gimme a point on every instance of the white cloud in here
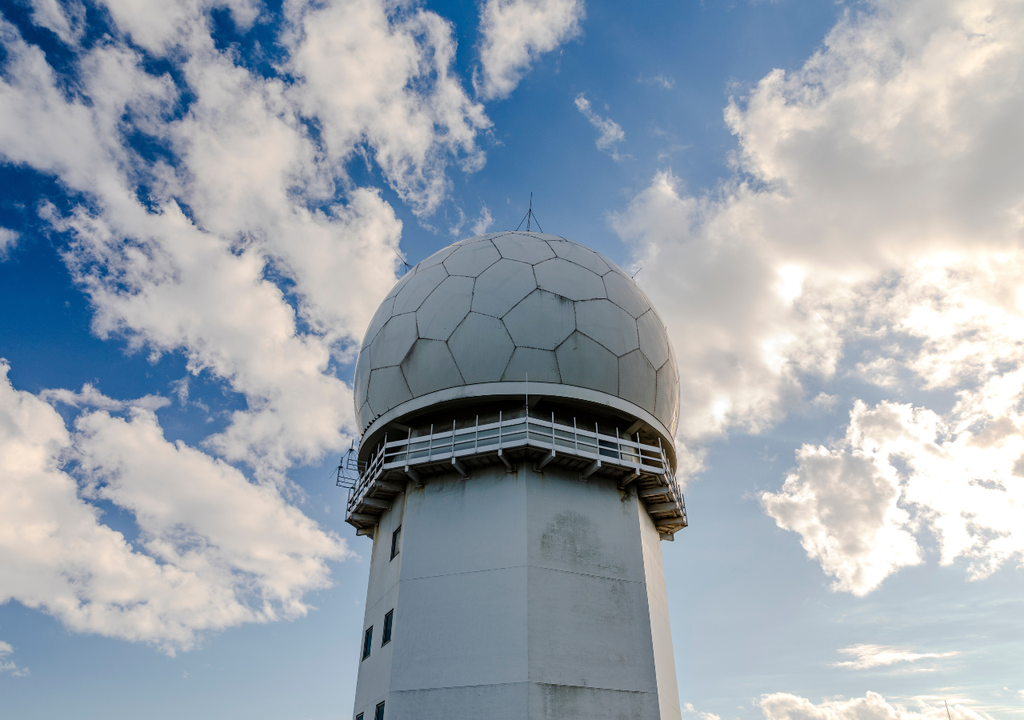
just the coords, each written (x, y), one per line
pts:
(877, 208)
(65, 19)
(688, 707)
(7, 665)
(213, 549)
(517, 32)
(611, 133)
(892, 146)
(867, 656)
(784, 706)
(250, 251)
(858, 503)
(8, 241)
(483, 222)
(358, 64)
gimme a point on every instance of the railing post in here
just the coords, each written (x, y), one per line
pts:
(453, 438)
(430, 444)
(575, 436)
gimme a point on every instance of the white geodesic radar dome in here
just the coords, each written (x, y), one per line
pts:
(491, 311)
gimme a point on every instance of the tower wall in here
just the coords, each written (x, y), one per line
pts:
(519, 595)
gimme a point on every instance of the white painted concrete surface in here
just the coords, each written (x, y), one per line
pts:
(519, 595)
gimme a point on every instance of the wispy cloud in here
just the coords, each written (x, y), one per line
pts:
(868, 656)
(611, 132)
(661, 81)
(8, 665)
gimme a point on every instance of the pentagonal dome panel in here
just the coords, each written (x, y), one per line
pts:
(387, 389)
(481, 347)
(393, 342)
(444, 308)
(623, 292)
(610, 325)
(653, 338)
(583, 362)
(503, 285)
(525, 248)
(581, 256)
(532, 365)
(542, 320)
(412, 295)
(430, 366)
(637, 380)
(471, 260)
(568, 280)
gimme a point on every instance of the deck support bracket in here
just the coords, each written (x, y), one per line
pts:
(508, 465)
(459, 468)
(591, 469)
(414, 476)
(545, 460)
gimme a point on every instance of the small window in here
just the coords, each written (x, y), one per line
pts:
(367, 642)
(379, 715)
(388, 619)
(396, 537)
(359, 716)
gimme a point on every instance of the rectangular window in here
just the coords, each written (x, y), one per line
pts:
(388, 619)
(395, 538)
(379, 715)
(359, 716)
(367, 642)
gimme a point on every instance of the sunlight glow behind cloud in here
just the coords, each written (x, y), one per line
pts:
(872, 169)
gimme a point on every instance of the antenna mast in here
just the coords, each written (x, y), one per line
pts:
(528, 217)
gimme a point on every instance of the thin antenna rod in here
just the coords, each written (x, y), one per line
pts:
(947, 710)
(528, 217)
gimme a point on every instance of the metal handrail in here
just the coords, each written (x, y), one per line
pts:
(509, 433)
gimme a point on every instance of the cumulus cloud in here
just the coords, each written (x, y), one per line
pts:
(784, 706)
(871, 231)
(610, 132)
(867, 656)
(213, 550)
(212, 215)
(517, 32)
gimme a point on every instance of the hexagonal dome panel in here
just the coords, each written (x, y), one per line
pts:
(471, 260)
(481, 348)
(506, 306)
(444, 308)
(568, 280)
(543, 320)
(610, 325)
(507, 282)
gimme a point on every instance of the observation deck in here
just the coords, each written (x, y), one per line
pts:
(513, 438)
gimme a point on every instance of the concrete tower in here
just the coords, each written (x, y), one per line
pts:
(517, 395)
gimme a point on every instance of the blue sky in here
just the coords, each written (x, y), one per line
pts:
(203, 204)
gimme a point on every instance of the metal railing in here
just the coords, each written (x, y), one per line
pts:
(508, 434)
